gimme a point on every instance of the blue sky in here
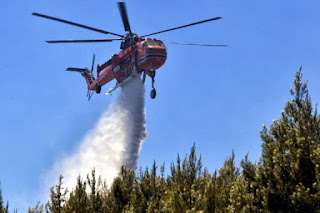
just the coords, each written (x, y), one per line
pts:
(217, 98)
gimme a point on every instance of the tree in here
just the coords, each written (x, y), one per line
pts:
(95, 196)
(57, 197)
(290, 155)
(183, 184)
(121, 190)
(78, 201)
(244, 193)
(38, 209)
(3, 209)
(211, 194)
(227, 175)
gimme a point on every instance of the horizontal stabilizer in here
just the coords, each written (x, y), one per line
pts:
(76, 69)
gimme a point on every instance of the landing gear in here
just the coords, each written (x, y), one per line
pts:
(153, 92)
(144, 77)
(98, 88)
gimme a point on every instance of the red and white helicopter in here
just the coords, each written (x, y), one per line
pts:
(139, 54)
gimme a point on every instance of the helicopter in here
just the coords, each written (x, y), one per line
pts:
(138, 55)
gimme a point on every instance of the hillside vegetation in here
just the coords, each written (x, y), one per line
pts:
(285, 179)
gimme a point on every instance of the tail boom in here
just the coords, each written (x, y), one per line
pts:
(86, 74)
(104, 77)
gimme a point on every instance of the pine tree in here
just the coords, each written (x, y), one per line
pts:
(38, 209)
(121, 191)
(157, 186)
(210, 194)
(175, 197)
(95, 197)
(290, 155)
(3, 209)
(138, 200)
(227, 175)
(244, 196)
(57, 197)
(183, 184)
(78, 201)
(1, 201)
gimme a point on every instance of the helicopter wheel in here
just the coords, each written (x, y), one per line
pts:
(153, 93)
(98, 88)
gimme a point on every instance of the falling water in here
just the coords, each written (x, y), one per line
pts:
(116, 139)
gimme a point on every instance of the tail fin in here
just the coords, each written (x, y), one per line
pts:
(85, 73)
(89, 78)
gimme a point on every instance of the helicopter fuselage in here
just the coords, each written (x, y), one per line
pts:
(146, 55)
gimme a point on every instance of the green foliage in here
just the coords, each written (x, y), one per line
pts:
(95, 197)
(286, 178)
(78, 201)
(121, 191)
(3, 209)
(290, 158)
(38, 209)
(57, 197)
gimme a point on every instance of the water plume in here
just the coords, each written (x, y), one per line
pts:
(116, 139)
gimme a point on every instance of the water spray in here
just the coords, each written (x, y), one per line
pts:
(116, 139)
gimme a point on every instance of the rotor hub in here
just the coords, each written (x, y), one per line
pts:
(127, 41)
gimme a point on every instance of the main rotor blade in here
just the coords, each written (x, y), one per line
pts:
(76, 69)
(75, 24)
(187, 25)
(83, 41)
(124, 16)
(206, 45)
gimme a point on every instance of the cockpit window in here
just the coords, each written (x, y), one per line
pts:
(151, 42)
(161, 43)
(155, 42)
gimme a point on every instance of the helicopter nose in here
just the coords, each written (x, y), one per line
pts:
(155, 58)
(156, 50)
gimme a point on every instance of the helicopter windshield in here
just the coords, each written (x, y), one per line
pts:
(152, 42)
(161, 43)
